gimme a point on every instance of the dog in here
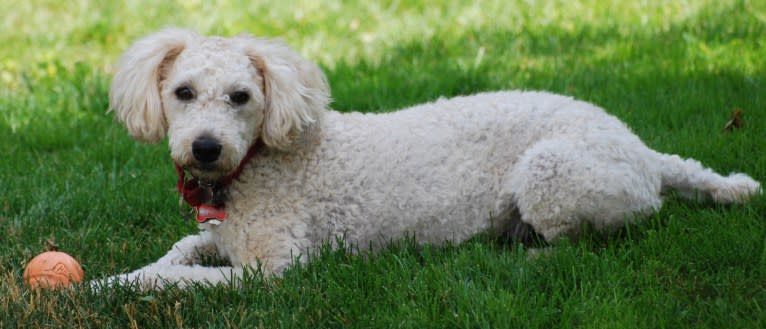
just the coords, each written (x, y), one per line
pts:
(272, 173)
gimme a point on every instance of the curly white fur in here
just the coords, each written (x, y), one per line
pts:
(444, 171)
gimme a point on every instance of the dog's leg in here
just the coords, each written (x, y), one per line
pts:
(179, 265)
(558, 185)
(158, 276)
(276, 236)
(193, 249)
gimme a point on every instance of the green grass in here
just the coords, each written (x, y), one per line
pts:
(673, 70)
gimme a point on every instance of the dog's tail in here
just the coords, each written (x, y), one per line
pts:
(691, 180)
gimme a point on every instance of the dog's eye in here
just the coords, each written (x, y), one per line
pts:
(239, 97)
(184, 93)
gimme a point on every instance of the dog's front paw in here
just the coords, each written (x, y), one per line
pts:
(133, 279)
(176, 257)
(100, 285)
(190, 250)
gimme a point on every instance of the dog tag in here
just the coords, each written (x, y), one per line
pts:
(210, 214)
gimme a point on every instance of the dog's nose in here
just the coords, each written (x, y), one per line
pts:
(206, 149)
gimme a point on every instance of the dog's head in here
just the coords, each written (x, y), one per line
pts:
(215, 97)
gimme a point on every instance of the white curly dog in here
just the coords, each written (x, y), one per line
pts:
(273, 174)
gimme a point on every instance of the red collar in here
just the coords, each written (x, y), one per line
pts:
(207, 199)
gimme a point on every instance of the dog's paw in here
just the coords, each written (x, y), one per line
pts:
(99, 285)
(175, 257)
(131, 280)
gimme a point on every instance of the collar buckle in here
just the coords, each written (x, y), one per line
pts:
(207, 198)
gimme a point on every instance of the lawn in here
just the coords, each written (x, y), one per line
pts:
(673, 70)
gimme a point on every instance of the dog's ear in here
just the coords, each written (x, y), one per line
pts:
(295, 89)
(135, 92)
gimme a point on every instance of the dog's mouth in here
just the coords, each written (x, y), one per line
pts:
(207, 171)
(206, 159)
(220, 169)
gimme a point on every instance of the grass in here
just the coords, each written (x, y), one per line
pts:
(672, 70)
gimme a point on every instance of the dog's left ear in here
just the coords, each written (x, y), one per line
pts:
(296, 90)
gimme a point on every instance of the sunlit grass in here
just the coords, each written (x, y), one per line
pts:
(328, 31)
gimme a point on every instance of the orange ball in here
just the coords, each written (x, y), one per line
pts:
(52, 269)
